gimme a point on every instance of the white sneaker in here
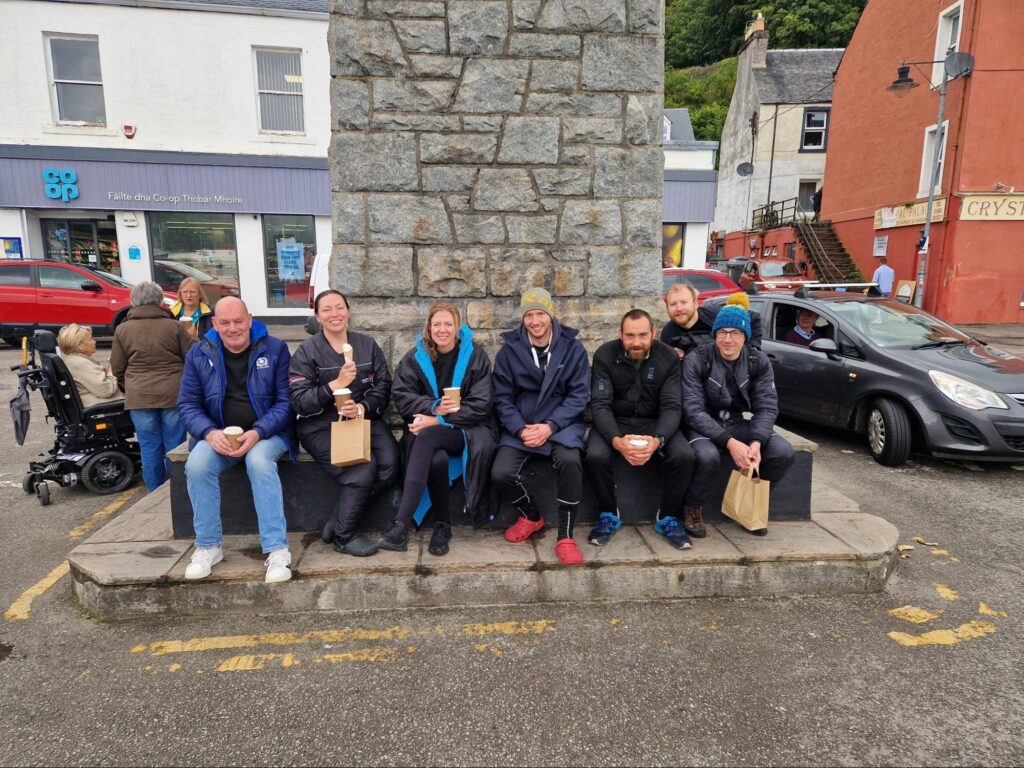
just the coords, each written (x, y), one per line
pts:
(203, 560)
(277, 566)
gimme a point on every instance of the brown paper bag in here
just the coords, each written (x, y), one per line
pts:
(746, 499)
(350, 442)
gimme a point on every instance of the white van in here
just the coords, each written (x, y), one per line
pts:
(319, 280)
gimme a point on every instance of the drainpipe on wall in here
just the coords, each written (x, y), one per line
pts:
(771, 162)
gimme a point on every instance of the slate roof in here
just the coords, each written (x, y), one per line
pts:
(308, 6)
(682, 128)
(797, 76)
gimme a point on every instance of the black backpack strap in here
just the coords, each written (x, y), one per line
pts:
(705, 360)
(754, 364)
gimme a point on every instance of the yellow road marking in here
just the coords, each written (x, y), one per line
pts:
(940, 552)
(372, 655)
(174, 667)
(970, 631)
(615, 622)
(487, 647)
(509, 628)
(21, 607)
(80, 530)
(984, 610)
(231, 642)
(914, 614)
(946, 593)
(251, 662)
(84, 674)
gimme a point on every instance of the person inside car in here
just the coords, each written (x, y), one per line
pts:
(720, 383)
(95, 383)
(804, 332)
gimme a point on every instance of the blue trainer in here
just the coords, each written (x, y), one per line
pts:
(607, 524)
(673, 530)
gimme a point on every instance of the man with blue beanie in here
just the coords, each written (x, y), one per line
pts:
(725, 379)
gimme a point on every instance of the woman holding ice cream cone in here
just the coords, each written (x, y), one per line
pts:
(342, 374)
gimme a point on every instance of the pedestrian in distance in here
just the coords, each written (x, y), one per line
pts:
(442, 390)
(193, 305)
(885, 276)
(147, 358)
(721, 382)
(94, 382)
(337, 358)
(635, 402)
(541, 386)
(237, 376)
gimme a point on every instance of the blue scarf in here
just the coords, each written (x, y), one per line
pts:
(456, 464)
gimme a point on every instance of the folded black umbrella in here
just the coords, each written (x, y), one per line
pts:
(21, 410)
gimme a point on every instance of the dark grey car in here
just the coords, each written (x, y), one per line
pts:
(899, 374)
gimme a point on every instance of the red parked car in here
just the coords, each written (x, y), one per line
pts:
(709, 282)
(50, 294)
(775, 273)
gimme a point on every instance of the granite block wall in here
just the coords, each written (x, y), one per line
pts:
(483, 147)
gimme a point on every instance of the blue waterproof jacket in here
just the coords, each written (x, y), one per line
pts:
(204, 383)
(525, 394)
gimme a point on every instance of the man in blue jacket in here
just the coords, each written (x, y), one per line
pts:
(237, 376)
(541, 383)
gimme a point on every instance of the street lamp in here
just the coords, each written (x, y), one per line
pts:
(956, 64)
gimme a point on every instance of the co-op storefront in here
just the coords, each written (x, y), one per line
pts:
(247, 225)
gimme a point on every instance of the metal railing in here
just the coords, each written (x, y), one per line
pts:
(779, 213)
(824, 267)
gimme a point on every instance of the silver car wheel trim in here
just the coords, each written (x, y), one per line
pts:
(876, 432)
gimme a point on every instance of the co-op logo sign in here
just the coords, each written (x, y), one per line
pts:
(61, 184)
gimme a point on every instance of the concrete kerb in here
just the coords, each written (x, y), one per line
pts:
(129, 573)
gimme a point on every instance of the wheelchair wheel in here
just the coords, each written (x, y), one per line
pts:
(108, 472)
(28, 482)
(43, 492)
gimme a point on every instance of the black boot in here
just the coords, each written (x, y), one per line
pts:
(327, 534)
(395, 538)
(439, 540)
(357, 546)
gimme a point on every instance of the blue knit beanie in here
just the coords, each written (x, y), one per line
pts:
(732, 316)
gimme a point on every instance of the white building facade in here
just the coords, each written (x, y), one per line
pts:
(165, 140)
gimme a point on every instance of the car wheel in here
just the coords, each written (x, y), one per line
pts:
(108, 472)
(889, 432)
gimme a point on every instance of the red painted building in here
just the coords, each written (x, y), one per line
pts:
(879, 154)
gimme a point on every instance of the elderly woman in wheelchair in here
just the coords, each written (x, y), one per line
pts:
(95, 383)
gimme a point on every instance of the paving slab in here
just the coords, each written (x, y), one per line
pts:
(148, 519)
(132, 562)
(713, 548)
(825, 498)
(321, 559)
(627, 547)
(243, 559)
(791, 541)
(869, 536)
(480, 551)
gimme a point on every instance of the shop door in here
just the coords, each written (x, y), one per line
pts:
(89, 242)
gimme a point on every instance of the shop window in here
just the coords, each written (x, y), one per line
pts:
(279, 84)
(289, 246)
(76, 84)
(199, 245)
(90, 242)
(814, 137)
(672, 245)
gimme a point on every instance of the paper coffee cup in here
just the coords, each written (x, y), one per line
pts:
(185, 319)
(233, 434)
(342, 396)
(455, 393)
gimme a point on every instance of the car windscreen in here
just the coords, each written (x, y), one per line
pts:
(890, 324)
(779, 269)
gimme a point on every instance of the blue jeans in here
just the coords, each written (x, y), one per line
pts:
(202, 470)
(158, 431)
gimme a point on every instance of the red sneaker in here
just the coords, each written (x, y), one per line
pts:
(522, 529)
(568, 553)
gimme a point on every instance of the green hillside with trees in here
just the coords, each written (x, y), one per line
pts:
(703, 36)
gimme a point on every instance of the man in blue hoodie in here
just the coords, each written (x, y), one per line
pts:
(237, 376)
(541, 383)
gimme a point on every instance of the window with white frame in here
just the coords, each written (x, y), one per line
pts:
(76, 83)
(814, 133)
(947, 37)
(279, 87)
(926, 159)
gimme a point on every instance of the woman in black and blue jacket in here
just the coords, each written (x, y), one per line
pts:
(445, 439)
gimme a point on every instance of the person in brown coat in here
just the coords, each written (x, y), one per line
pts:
(147, 357)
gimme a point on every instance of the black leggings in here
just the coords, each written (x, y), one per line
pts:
(428, 469)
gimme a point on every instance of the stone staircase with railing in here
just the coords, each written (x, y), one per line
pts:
(825, 253)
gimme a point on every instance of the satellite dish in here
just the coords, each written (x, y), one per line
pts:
(744, 169)
(959, 64)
